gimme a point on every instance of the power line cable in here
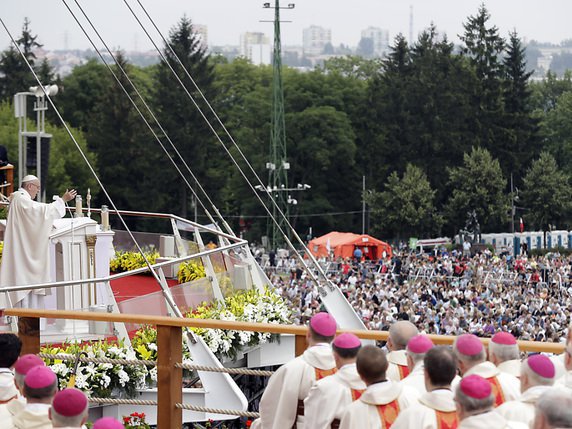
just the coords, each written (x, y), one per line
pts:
(279, 210)
(167, 294)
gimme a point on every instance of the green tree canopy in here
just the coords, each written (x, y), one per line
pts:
(406, 206)
(478, 185)
(546, 193)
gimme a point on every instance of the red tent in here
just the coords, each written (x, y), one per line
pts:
(344, 243)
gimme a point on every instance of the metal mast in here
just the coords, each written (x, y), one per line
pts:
(278, 166)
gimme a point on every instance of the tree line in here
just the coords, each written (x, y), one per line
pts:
(437, 130)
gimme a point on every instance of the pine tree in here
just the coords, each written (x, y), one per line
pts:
(519, 146)
(178, 114)
(483, 47)
(127, 154)
(385, 116)
(15, 75)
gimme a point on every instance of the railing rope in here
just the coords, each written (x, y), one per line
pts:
(151, 363)
(198, 408)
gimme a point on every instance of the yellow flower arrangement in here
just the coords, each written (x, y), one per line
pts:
(127, 261)
(191, 270)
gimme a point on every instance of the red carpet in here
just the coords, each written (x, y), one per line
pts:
(136, 285)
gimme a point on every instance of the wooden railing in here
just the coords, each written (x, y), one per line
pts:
(169, 337)
(7, 187)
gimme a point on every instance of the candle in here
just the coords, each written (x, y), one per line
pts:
(88, 199)
(78, 208)
(104, 218)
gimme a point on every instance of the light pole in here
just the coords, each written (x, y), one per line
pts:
(283, 193)
(39, 135)
(278, 165)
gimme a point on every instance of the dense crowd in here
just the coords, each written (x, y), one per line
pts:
(444, 293)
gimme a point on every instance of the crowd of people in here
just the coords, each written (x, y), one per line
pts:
(444, 292)
(30, 397)
(338, 383)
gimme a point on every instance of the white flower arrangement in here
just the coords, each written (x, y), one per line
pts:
(98, 379)
(106, 380)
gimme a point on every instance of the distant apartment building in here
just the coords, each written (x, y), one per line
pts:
(315, 39)
(203, 34)
(380, 39)
(256, 47)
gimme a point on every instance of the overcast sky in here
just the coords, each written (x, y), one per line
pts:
(545, 21)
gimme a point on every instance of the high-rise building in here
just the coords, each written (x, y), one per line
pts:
(380, 39)
(203, 34)
(256, 47)
(315, 39)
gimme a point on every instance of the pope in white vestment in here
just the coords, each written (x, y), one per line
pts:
(329, 397)
(25, 258)
(424, 415)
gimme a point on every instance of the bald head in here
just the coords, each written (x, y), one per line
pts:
(400, 333)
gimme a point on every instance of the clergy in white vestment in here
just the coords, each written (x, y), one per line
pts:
(537, 376)
(383, 400)
(553, 410)
(475, 405)
(25, 258)
(417, 347)
(282, 403)
(504, 353)
(471, 359)
(436, 408)
(10, 347)
(329, 397)
(21, 368)
(399, 335)
(40, 386)
(69, 409)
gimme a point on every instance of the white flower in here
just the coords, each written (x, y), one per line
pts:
(152, 346)
(81, 381)
(123, 377)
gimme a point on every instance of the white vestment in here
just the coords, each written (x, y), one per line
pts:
(25, 258)
(564, 381)
(416, 378)
(424, 415)
(364, 412)
(397, 360)
(289, 384)
(523, 410)
(33, 416)
(8, 392)
(329, 397)
(509, 384)
(558, 361)
(511, 367)
(489, 420)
